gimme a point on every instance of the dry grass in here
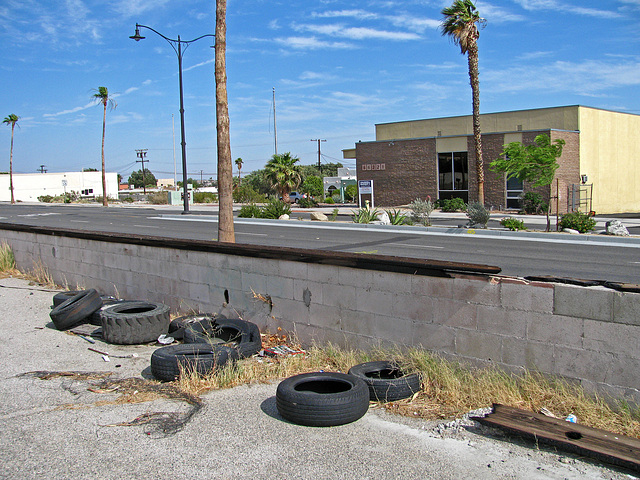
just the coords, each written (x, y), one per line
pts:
(7, 259)
(449, 390)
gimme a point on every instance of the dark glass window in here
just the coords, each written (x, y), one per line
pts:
(453, 175)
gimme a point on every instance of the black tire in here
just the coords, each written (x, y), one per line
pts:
(386, 381)
(167, 362)
(322, 399)
(76, 309)
(95, 318)
(244, 336)
(178, 325)
(130, 323)
(62, 297)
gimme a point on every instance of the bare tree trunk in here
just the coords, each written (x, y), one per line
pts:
(13, 200)
(104, 176)
(226, 231)
(477, 138)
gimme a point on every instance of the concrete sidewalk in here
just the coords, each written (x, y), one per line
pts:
(55, 428)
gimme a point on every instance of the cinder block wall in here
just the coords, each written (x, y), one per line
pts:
(591, 335)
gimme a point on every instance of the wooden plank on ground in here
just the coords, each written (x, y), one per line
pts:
(590, 442)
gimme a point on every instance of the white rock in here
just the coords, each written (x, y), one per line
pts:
(615, 227)
(283, 217)
(383, 218)
(571, 231)
(319, 217)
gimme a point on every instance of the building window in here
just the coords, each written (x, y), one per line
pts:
(453, 175)
(514, 192)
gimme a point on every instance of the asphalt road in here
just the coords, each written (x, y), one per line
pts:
(515, 254)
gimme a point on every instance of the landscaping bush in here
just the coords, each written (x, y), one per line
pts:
(45, 198)
(246, 194)
(249, 211)
(532, 204)
(128, 199)
(512, 224)
(364, 215)
(275, 209)
(329, 200)
(350, 192)
(421, 211)
(579, 221)
(396, 217)
(307, 202)
(478, 214)
(205, 197)
(452, 205)
(333, 215)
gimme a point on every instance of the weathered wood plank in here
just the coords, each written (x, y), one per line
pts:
(590, 442)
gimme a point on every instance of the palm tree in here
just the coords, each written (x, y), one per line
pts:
(102, 96)
(459, 24)
(226, 232)
(239, 165)
(12, 119)
(283, 174)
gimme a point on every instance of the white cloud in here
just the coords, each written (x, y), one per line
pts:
(310, 43)
(130, 8)
(534, 5)
(354, 33)
(495, 14)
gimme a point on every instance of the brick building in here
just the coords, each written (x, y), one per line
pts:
(435, 158)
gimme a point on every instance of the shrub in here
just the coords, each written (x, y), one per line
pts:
(421, 211)
(205, 197)
(512, 224)
(478, 214)
(333, 215)
(249, 211)
(532, 204)
(158, 198)
(579, 221)
(307, 202)
(396, 217)
(336, 198)
(364, 215)
(128, 199)
(452, 204)
(329, 200)
(275, 209)
(45, 198)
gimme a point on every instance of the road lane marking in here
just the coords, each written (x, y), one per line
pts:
(146, 226)
(78, 221)
(410, 245)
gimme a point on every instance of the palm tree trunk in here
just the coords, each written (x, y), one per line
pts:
(477, 138)
(104, 177)
(226, 231)
(13, 200)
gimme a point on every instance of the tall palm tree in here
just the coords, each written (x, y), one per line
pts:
(12, 119)
(284, 174)
(226, 232)
(239, 165)
(102, 96)
(459, 24)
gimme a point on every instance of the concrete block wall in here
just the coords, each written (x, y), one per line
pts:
(587, 334)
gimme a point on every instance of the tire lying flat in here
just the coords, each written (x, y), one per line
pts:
(167, 363)
(244, 336)
(322, 399)
(386, 381)
(76, 309)
(132, 322)
(62, 297)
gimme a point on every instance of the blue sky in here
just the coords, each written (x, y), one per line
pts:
(338, 68)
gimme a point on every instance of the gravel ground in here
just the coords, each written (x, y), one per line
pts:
(56, 428)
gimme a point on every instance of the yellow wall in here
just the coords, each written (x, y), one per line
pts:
(610, 156)
(559, 118)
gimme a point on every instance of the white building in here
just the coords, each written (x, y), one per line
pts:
(346, 176)
(27, 187)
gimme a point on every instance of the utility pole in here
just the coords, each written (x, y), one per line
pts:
(318, 140)
(201, 177)
(42, 169)
(141, 154)
(275, 129)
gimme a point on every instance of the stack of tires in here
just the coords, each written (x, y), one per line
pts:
(325, 399)
(209, 343)
(123, 322)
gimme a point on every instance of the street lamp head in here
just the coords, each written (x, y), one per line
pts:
(136, 36)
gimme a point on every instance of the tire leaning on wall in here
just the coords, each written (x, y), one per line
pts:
(76, 309)
(131, 323)
(167, 363)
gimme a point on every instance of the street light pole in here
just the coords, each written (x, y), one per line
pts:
(176, 44)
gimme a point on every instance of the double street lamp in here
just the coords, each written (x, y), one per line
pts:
(176, 44)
